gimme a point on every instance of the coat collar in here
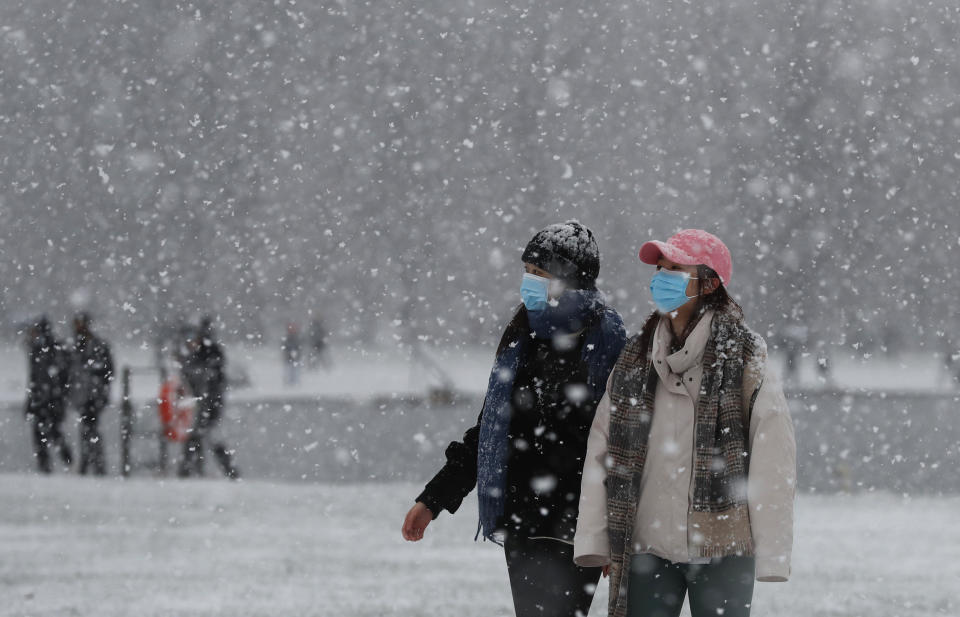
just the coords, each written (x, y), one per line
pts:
(691, 354)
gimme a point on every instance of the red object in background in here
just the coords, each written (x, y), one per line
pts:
(175, 407)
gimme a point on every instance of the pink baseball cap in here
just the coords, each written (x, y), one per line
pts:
(691, 247)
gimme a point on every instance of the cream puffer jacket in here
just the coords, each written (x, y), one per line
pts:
(666, 485)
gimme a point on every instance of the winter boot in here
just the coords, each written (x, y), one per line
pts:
(91, 449)
(84, 456)
(43, 461)
(99, 460)
(91, 457)
(66, 453)
(192, 462)
(63, 448)
(224, 458)
(41, 446)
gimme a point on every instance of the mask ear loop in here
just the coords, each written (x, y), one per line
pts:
(693, 278)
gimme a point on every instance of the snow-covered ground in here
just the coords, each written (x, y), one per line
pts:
(148, 548)
(357, 373)
(372, 372)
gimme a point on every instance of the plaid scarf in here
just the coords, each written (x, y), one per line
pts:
(718, 517)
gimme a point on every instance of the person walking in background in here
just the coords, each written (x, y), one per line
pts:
(951, 361)
(693, 387)
(291, 355)
(90, 377)
(794, 339)
(319, 354)
(525, 454)
(204, 373)
(824, 365)
(48, 369)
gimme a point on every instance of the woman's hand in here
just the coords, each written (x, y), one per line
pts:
(606, 571)
(416, 522)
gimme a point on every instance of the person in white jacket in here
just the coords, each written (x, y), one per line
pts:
(690, 474)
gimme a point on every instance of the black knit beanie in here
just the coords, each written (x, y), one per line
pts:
(567, 251)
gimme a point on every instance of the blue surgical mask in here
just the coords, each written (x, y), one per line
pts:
(669, 289)
(535, 291)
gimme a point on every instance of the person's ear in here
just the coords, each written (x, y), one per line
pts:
(710, 285)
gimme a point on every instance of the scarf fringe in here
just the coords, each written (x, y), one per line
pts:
(744, 547)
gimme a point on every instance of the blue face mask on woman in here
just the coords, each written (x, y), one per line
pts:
(669, 289)
(535, 291)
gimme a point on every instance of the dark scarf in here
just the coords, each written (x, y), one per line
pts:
(718, 518)
(604, 338)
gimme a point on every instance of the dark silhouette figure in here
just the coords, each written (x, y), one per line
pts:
(951, 362)
(318, 345)
(292, 355)
(48, 370)
(90, 377)
(204, 373)
(794, 339)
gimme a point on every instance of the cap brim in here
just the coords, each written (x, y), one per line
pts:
(651, 252)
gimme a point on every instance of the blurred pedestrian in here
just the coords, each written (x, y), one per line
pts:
(690, 474)
(951, 362)
(824, 365)
(90, 377)
(48, 374)
(794, 338)
(525, 454)
(204, 372)
(319, 352)
(292, 358)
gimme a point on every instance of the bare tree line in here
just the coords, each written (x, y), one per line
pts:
(383, 164)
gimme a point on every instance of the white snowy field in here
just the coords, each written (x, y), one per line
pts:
(358, 373)
(73, 546)
(363, 373)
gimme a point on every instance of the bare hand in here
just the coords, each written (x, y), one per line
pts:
(416, 522)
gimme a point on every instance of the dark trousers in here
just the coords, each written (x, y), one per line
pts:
(205, 429)
(46, 433)
(722, 587)
(544, 580)
(91, 443)
(193, 460)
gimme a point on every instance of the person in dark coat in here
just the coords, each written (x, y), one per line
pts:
(48, 371)
(90, 378)
(526, 452)
(319, 354)
(292, 358)
(204, 373)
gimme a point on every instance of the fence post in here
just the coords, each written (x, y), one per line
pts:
(162, 431)
(126, 424)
